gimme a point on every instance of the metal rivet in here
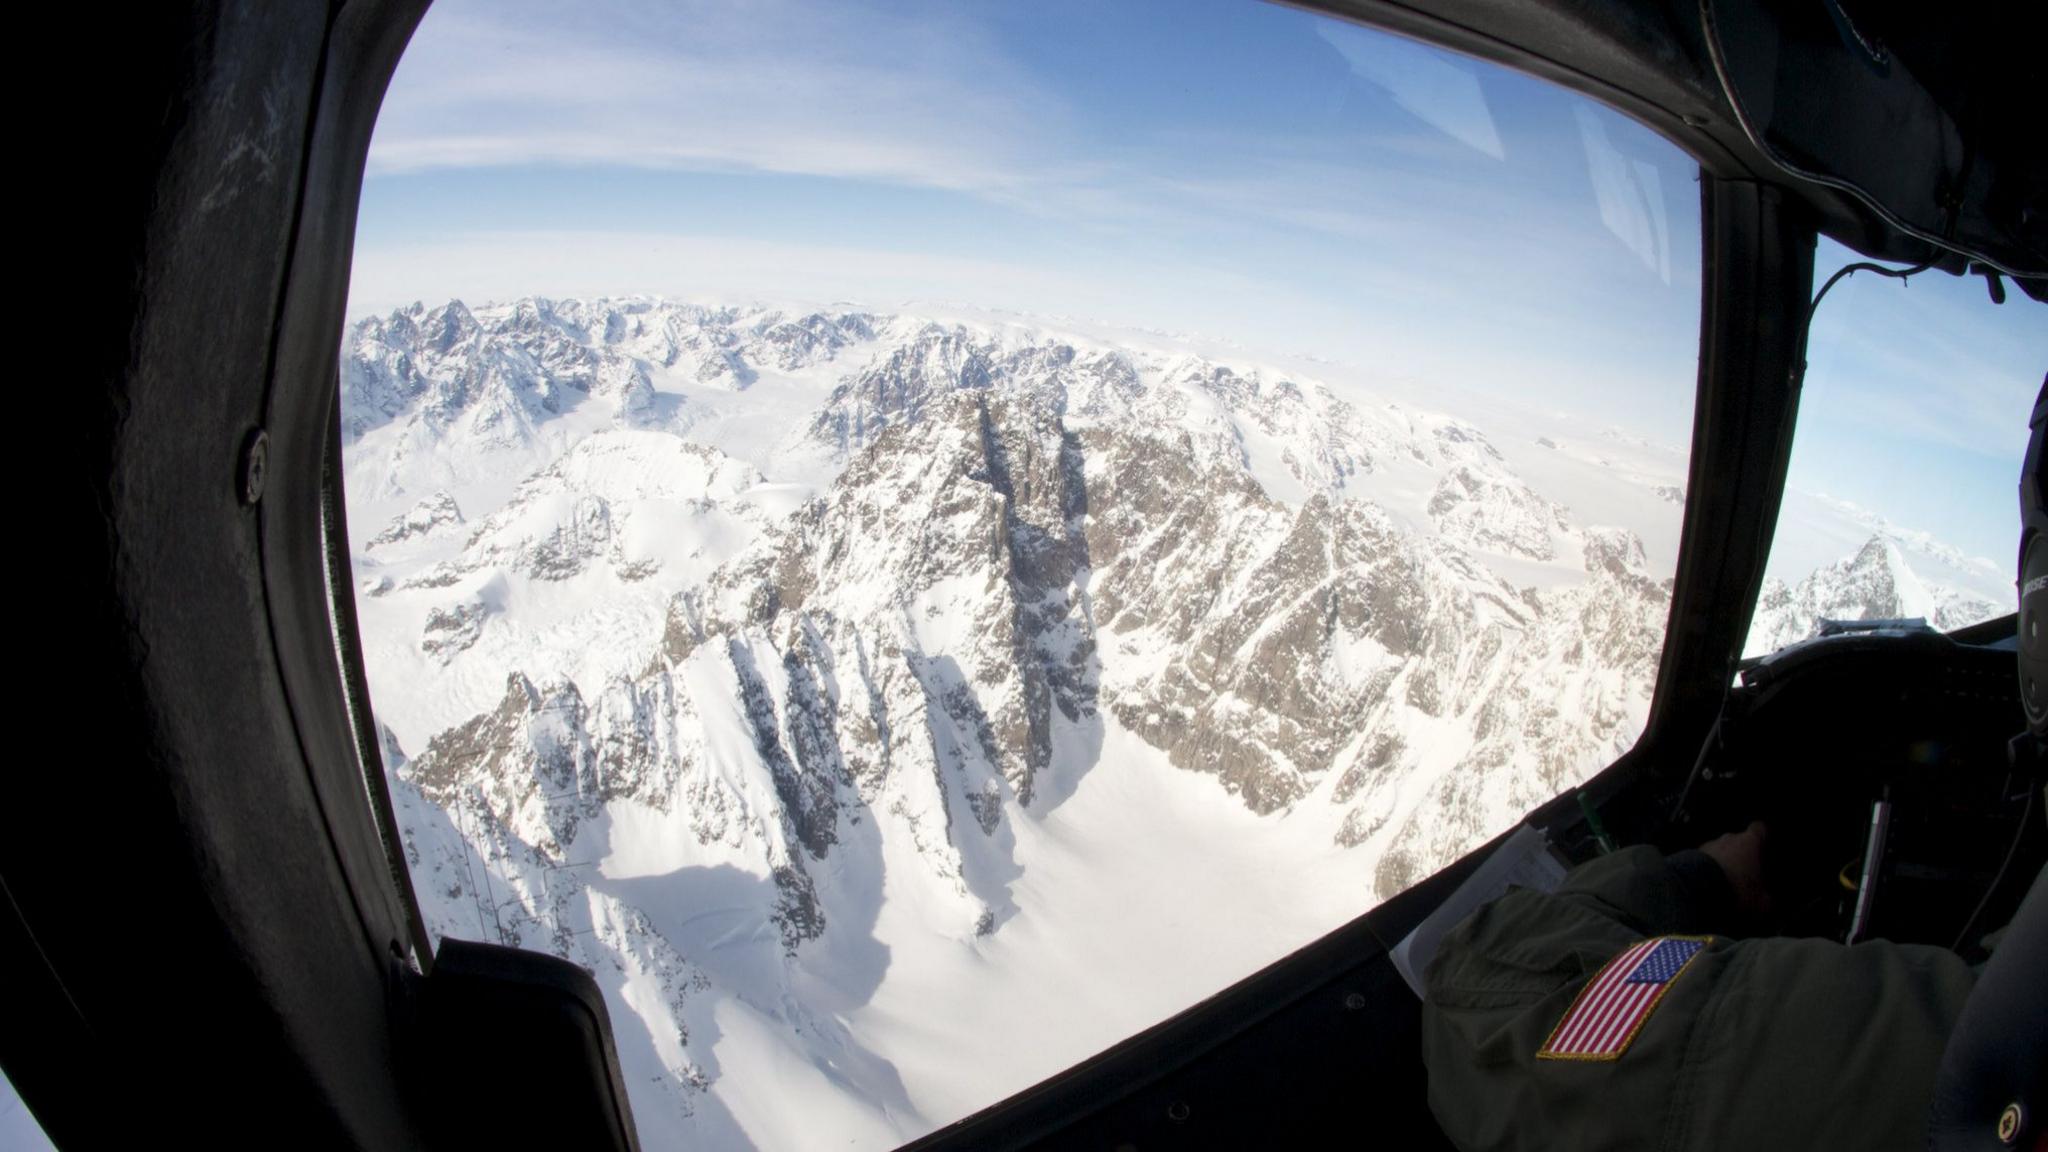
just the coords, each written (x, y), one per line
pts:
(1178, 1111)
(255, 465)
(1354, 1000)
(2009, 1123)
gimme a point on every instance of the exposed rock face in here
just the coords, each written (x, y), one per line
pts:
(973, 598)
(451, 629)
(897, 386)
(531, 763)
(499, 376)
(430, 516)
(579, 510)
(466, 387)
(1492, 512)
(478, 877)
(801, 341)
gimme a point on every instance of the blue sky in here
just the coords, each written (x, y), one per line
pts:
(1230, 168)
(1235, 169)
(1916, 401)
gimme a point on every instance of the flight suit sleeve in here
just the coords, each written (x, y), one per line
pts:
(1764, 1043)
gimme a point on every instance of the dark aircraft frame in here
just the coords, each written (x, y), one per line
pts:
(227, 948)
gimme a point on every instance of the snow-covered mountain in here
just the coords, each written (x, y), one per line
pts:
(894, 709)
(1877, 583)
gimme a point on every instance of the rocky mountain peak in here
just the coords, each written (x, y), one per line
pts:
(1614, 552)
(431, 515)
(1877, 582)
(529, 761)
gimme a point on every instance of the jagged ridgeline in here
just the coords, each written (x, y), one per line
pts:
(741, 651)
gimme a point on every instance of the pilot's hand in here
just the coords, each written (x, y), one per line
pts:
(1741, 857)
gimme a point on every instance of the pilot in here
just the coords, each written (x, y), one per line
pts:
(1620, 1012)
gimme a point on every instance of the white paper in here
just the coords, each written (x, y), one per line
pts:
(1524, 861)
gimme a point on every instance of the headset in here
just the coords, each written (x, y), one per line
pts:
(1992, 1089)
(2033, 571)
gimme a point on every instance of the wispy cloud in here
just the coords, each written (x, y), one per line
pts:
(838, 90)
(922, 100)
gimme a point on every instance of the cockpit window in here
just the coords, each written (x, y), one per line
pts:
(1900, 506)
(918, 540)
(18, 1126)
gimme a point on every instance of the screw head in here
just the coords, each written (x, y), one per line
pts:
(1354, 1000)
(255, 472)
(1178, 1111)
(2009, 1123)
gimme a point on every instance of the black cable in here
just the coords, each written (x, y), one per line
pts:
(1861, 266)
(1850, 269)
(1678, 813)
(1997, 881)
(1716, 54)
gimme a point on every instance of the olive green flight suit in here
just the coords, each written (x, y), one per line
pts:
(1758, 1044)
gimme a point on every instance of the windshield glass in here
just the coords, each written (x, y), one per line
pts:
(1902, 498)
(918, 540)
(18, 1127)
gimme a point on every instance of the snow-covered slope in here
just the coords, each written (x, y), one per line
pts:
(894, 709)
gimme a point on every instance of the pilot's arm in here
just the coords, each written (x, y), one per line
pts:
(1610, 1014)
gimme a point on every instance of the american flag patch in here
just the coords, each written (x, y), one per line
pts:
(1610, 1009)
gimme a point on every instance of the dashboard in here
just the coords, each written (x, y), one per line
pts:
(1884, 765)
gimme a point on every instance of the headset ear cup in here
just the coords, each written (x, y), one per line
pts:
(2033, 638)
(2033, 581)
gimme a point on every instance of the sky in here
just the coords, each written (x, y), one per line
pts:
(1916, 402)
(1226, 168)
